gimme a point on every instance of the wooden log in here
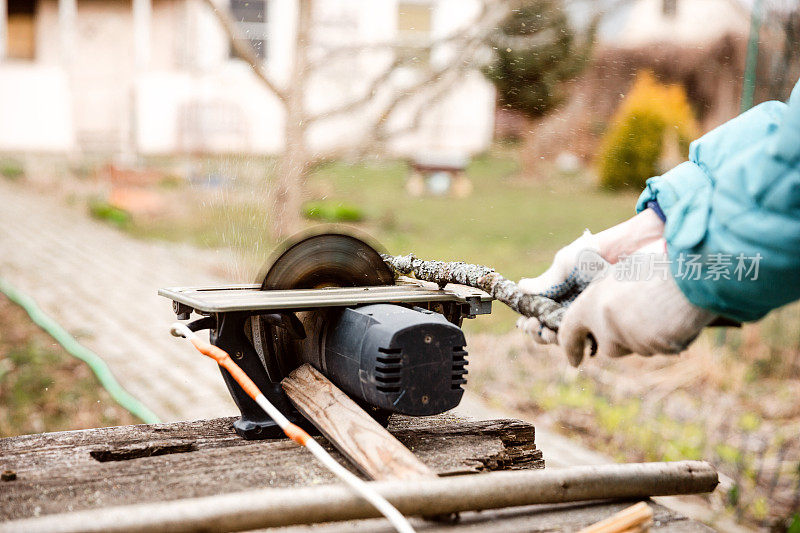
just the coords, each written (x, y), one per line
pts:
(274, 508)
(547, 311)
(367, 444)
(633, 518)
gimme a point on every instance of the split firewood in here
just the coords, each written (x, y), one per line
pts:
(547, 311)
(367, 444)
(634, 518)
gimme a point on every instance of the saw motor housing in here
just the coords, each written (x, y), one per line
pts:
(402, 360)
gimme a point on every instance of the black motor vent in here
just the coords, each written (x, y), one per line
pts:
(388, 369)
(409, 361)
(459, 367)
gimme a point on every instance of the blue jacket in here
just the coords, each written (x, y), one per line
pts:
(736, 203)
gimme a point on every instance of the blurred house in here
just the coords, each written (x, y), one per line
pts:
(698, 44)
(158, 76)
(682, 23)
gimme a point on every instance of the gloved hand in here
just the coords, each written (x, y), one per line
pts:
(585, 259)
(573, 268)
(630, 311)
(567, 276)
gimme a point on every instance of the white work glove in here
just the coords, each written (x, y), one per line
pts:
(573, 268)
(633, 311)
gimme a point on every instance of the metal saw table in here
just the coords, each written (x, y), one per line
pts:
(248, 297)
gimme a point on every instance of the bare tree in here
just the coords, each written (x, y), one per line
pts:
(380, 101)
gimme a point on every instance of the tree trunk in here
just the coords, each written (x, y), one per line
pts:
(294, 160)
(287, 199)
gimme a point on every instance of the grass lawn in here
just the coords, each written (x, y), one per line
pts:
(509, 222)
(703, 405)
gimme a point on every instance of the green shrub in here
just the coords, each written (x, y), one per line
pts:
(102, 210)
(171, 181)
(794, 523)
(11, 169)
(330, 211)
(651, 116)
(535, 52)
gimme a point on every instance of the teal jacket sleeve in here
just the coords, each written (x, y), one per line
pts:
(733, 213)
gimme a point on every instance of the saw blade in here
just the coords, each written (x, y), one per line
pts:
(317, 261)
(327, 260)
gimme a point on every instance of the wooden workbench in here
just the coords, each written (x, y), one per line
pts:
(74, 470)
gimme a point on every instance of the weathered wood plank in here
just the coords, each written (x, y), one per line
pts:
(367, 444)
(58, 472)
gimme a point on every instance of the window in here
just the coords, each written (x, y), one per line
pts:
(414, 31)
(21, 29)
(251, 17)
(669, 7)
(413, 20)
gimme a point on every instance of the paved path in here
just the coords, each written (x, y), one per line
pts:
(100, 285)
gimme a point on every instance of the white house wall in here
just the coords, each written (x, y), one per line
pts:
(101, 73)
(244, 116)
(192, 81)
(695, 22)
(461, 121)
(190, 96)
(35, 109)
(35, 97)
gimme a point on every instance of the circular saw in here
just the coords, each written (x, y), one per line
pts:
(329, 300)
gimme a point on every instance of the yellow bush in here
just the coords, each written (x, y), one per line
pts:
(651, 118)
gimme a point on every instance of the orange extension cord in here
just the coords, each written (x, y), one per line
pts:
(293, 431)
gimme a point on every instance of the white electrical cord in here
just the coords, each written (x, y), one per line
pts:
(361, 488)
(398, 521)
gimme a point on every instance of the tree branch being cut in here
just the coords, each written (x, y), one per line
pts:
(547, 311)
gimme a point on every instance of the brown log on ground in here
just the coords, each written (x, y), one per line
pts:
(547, 311)
(279, 507)
(367, 444)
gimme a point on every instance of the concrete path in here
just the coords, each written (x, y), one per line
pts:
(100, 285)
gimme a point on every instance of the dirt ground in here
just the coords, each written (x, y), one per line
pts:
(703, 405)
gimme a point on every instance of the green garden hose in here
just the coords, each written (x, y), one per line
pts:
(74, 348)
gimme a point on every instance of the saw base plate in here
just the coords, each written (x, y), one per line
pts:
(250, 297)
